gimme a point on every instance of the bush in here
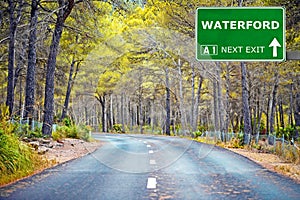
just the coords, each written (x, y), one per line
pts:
(288, 152)
(84, 132)
(65, 131)
(237, 141)
(117, 128)
(288, 132)
(197, 134)
(76, 132)
(67, 122)
(56, 135)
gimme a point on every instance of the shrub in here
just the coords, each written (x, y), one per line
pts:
(117, 128)
(56, 135)
(237, 141)
(73, 132)
(288, 152)
(196, 134)
(67, 122)
(84, 132)
(288, 132)
(76, 132)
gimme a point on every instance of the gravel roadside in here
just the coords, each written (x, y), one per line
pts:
(272, 162)
(70, 149)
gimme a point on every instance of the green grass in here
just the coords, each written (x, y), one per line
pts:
(17, 160)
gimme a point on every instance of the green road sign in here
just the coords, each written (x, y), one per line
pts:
(240, 34)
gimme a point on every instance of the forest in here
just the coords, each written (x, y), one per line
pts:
(130, 66)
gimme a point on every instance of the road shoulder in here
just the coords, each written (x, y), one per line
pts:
(271, 162)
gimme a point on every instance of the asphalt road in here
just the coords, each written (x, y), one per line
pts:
(154, 167)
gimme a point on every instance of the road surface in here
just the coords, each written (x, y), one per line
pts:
(154, 167)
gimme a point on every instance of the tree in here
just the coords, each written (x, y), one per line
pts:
(168, 109)
(15, 12)
(64, 10)
(69, 86)
(30, 77)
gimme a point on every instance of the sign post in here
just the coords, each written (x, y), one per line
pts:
(240, 34)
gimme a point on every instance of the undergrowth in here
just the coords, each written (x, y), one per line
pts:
(68, 129)
(17, 160)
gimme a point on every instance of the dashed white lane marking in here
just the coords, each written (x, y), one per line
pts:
(152, 162)
(151, 151)
(145, 142)
(148, 145)
(151, 184)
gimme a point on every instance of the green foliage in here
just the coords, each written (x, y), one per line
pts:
(16, 158)
(13, 154)
(288, 152)
(57, 135)
(84, 132)
(200, 131)
(196, 134)
(237, 141)
(288, 132)
(74, 131)
(117, 128)
(5, 124)
(67, 122)
(24, 130)
(65, 131)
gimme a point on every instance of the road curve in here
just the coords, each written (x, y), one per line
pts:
(155, 167)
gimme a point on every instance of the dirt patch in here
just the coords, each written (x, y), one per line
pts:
(272, 162)
(70, 149)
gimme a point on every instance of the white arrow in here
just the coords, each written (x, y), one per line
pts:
(274, 44)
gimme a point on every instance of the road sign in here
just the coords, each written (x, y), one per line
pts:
(240, 34)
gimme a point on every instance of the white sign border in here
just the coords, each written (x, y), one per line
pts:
(242, 60)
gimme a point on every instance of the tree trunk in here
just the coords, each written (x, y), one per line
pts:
(193, 123)
(197, 102)
(140, 104)
(30, 77)
(273, 104)
(281, 114)
(297, 114)
(181, 100)
(64, 11)
(220, 98)
(13, 21)
(168, 108)
(111, 115)
(20, 63)
(103, 109)
(245, 99)
(86, 117)
(291, 121)
(216, 112)
(227, 109)
(122, 112)
(69, 88)
(260, 108)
